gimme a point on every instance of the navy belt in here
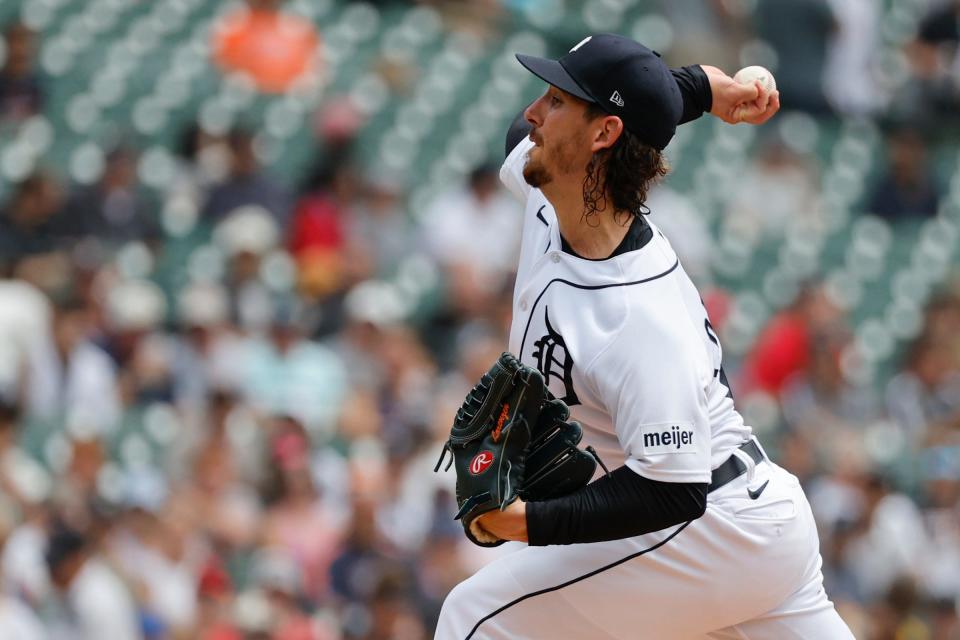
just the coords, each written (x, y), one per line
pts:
(734, 467)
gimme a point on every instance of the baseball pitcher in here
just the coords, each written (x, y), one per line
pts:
(693, 532)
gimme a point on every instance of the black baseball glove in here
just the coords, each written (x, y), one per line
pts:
(511, 438)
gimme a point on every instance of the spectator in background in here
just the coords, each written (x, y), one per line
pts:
(883, 529)
(405, 395)
(17, 620)
(361, 338)
(21, 94)
(819, 400)
(278, 577)
(116, 209)
(935, 59)
(897, 616)
(940, 563)
(784, 346)
(203, 160)
(245, 237)
(942, 318)
(316, 237)
(134, 311)
(907, 187)
(713, 30)
(147, 548)
(778, 191)
(32, 221)
(379, 232)
(71, 379)
(924, 398)
(28, 487)
(306, 525)
(97, 604)
(287, 374)
(206, 348)
(246, 184)
(79, 484)
(850, 77)
(24, 325)
(799, 31)
(364, 558)
(272, 48)
(24, 481)
(480, 18)
(215, 596)
(440, 568)
(473, 231)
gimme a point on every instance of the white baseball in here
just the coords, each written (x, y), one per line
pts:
(748, 75)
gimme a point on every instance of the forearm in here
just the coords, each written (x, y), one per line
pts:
(620, 505)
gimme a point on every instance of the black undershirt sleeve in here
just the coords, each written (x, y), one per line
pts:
(619, 505)
(694, 87)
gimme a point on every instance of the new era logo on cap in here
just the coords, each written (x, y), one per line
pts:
(616, 99)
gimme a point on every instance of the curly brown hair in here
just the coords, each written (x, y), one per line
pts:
(622, 174)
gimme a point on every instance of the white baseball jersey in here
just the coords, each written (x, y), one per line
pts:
(626, 343)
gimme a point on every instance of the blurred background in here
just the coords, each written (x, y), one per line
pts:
(253, 254)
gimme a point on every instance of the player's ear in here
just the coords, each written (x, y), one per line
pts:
(608, 131)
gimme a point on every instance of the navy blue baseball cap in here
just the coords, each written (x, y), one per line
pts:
(621, 76)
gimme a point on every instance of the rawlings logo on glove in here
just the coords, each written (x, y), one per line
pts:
(511, 418)
(481, 462)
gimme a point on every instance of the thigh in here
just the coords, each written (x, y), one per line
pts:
(680, 583)
(806, 614)
(734, 563)
(575, 591)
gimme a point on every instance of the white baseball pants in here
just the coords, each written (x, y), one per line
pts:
(746, 570)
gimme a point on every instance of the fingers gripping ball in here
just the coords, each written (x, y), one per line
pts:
(511, 438)
(748, 75)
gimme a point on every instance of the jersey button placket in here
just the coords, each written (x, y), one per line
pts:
(555, 257)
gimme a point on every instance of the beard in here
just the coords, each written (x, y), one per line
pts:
(562, 160)
(535, 174)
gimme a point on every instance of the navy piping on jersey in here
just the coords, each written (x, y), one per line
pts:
(540, 215)
(575, 580)
(589, 287)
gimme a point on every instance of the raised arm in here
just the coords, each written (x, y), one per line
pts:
(705, 89)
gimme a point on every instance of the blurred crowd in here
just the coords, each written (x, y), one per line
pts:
(221, 401)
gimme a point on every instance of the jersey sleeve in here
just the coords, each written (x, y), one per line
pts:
(653, 379)
(511, 173)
